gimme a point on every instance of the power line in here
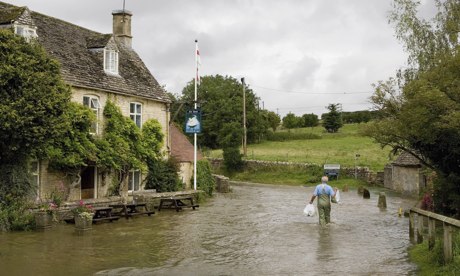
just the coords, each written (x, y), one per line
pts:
(314, 93)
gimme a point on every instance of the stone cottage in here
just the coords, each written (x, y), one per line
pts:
(98, 67)
(405, 175)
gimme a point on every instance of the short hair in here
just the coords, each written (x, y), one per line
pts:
(324, 179)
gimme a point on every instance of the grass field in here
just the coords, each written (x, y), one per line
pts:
(333, 148)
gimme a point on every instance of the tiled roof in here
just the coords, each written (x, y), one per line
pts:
(7, 15)
(80, 52)
(407, 160)
(181, 148)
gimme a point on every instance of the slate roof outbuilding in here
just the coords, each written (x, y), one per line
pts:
(407, 160)
(181, 148)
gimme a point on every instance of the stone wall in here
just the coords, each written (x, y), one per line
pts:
(361, 172)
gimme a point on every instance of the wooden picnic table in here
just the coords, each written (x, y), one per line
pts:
(177, 203)
(132, 209)
(103, 214)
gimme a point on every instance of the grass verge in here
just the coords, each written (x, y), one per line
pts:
(431, 262)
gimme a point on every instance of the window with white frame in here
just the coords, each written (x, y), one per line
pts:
(25, 31)
(135, 113)
(92, 103)
(111, 61)
(134, 180)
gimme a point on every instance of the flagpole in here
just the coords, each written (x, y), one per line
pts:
(195, 106)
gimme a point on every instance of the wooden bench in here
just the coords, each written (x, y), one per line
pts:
(132, 209)
(177, 203)
(103, 214)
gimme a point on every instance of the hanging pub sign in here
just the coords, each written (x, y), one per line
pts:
(193, 121)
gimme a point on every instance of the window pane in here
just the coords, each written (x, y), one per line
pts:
(139, 109)
(138, 120)
(95, 103)
(85, 101)
(132, 107)
(130, 181)
(137, 180)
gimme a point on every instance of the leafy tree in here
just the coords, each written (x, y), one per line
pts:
(420, 108)
(310, 120)
(274, 120)
(221, 100)
(290, 121)
(230, 139)
(33, 99)
(332, 121)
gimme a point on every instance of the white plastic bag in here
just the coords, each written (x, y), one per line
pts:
(309, 210)
(337, 197)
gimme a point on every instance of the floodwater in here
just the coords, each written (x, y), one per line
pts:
(255, 230)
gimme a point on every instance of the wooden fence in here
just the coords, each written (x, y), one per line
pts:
(417, 224)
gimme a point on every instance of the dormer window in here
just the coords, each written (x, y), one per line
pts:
(25, 31)
(111, 61)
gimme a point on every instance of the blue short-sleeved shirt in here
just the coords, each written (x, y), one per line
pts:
(319, 190)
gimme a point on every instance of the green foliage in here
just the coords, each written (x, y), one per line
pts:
(33, 98)
(123, 138)
(230, 135)
(152, 139)
(205, 180)
(120, 147)
(332, 121)
(16, 216)
(163, 176)
(432, 262)
(221, 101)
(363, 116)
(230, 138)
(289, 136)
(15, 183)
(233, 159)
(424, 39)
(421, 107)
(290, 121)
(337, 148)
(77, 146)
(310, 120)
(274, 120)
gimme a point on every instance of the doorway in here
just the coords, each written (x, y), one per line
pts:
(88, 182)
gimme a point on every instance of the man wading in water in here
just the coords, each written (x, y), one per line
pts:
(325, 194)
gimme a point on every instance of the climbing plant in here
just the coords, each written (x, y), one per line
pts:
(120, 148)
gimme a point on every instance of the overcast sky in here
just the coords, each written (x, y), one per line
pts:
(297, 55)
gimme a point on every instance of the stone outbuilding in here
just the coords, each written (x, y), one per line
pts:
(405, 175)
(182, 151)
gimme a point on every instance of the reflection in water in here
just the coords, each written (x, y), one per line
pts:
(256, 230)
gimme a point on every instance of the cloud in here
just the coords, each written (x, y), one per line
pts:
(314, 47)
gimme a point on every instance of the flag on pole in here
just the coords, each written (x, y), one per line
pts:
(198, 64)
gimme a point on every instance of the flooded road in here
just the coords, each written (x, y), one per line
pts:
(255, 230)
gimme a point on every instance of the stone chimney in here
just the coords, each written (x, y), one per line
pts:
(122, 26)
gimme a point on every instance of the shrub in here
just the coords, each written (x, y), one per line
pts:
(287, 136)
(232, 159)
(205, 180)
(163, 176)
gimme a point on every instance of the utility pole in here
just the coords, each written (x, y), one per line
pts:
(245, 150)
